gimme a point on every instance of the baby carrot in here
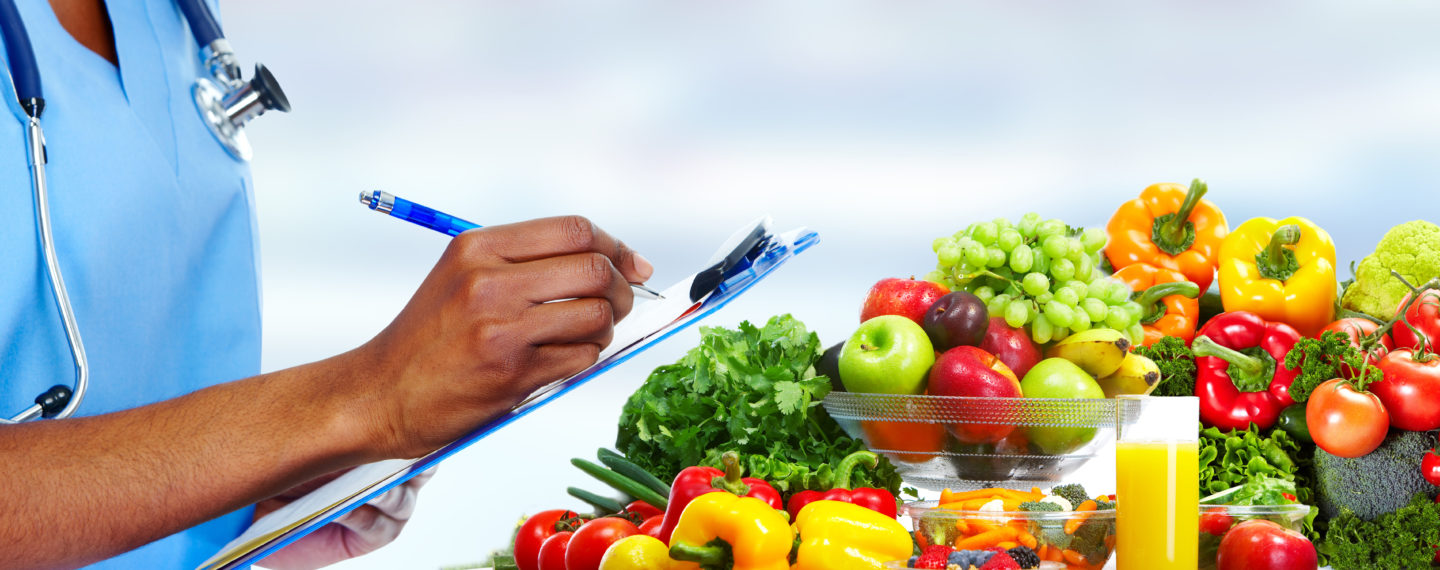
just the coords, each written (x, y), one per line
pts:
(1007, 545)
(1073, 525)
(1027, 539)
(986, 539)
(1073, 557)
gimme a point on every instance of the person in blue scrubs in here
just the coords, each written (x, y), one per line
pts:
(180, 435)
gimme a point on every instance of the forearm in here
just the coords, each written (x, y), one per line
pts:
(88, 488)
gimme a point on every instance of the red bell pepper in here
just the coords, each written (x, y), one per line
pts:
(1241, 377)
(692, 482)
(878, 500)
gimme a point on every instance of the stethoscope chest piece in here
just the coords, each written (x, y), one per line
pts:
(225, 111)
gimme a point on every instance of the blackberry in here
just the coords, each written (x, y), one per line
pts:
(1024, 556)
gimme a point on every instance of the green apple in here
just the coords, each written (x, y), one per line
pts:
(1060, 378)
(888, 354)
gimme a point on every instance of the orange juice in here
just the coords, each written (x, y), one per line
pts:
(1158, 515)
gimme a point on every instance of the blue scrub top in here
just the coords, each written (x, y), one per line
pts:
(154, 230)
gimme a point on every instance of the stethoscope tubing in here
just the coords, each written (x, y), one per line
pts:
(25, 74)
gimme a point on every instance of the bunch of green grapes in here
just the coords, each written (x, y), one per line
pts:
(1038, 273)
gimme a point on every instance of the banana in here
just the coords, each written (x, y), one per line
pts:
(1136, 375)
(1097, 351)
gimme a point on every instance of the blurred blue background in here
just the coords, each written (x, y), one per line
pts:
(880, 125)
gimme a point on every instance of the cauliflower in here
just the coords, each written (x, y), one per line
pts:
(1411, 248)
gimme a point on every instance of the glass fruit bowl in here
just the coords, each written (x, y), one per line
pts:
(957, 442)
(1221, 518)
(1067, 539)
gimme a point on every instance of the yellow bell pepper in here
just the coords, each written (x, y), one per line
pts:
(841, 535)
(1282, 270)
(641, 552)
(722, 531)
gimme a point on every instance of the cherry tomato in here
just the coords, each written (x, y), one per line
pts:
(1357, 328)
(590, 542)
(643, 509)
(1410, 389)
(1215, 523)
(1424, 316)
(1430, 468)
(1345, 422)
(533, 533)
(553, 551)
(651, 526)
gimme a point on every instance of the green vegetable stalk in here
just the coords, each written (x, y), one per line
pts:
(753, 391)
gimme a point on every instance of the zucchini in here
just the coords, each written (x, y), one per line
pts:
(621, 483)
(605, 505)
(629, 469)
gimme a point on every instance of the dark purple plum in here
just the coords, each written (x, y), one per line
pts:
(957, 319)
(829, 365)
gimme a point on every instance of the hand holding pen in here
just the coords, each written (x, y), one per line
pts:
(387, 203)
(506, 310)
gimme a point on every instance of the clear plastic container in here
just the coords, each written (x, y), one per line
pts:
(955, 442)
(1088, 546)
(1288, 516)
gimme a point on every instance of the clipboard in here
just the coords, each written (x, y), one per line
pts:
(749, 255)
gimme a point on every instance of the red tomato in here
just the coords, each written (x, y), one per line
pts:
(590, 542)
(1355, 328)
(1264, 545)
(643, 509)
(1424, 316)
(553, 551)
(1215, 522)
(1344, 422)
(1410, 390)
(533, 533)
(651, 526)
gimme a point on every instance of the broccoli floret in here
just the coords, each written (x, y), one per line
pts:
(1037, 506)
(1101, 505)
(1074, 492)
(1413, 250)
(1376, 483)
(1089, 539)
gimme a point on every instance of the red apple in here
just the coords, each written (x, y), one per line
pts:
(1260, 544)
(909, 298)
(970, 371)
(1011, 345)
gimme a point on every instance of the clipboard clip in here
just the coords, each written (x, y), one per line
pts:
(735, 255)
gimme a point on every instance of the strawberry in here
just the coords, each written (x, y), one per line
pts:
(1001, 561)
(934, 556)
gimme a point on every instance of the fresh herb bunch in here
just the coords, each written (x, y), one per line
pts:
(753, 391)
(1404, 538)
(1320, 359)
(1176, 363)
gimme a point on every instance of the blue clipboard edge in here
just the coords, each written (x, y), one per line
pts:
(746, 277)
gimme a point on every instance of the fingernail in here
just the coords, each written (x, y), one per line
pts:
(643, 267)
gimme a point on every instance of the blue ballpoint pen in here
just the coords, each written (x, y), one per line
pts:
(387, 203)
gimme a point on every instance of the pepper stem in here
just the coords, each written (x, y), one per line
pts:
(846, 467)
(1277, 261)
(1149, 300)
(714, 554)
(1177, 233)
(1248, 373)
(731, 482)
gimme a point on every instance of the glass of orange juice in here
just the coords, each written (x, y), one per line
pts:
(1157, 477)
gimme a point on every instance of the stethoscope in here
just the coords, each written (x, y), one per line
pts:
(225, 100)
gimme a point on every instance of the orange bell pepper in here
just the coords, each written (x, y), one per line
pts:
(1170, 228)
(1171, 303)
